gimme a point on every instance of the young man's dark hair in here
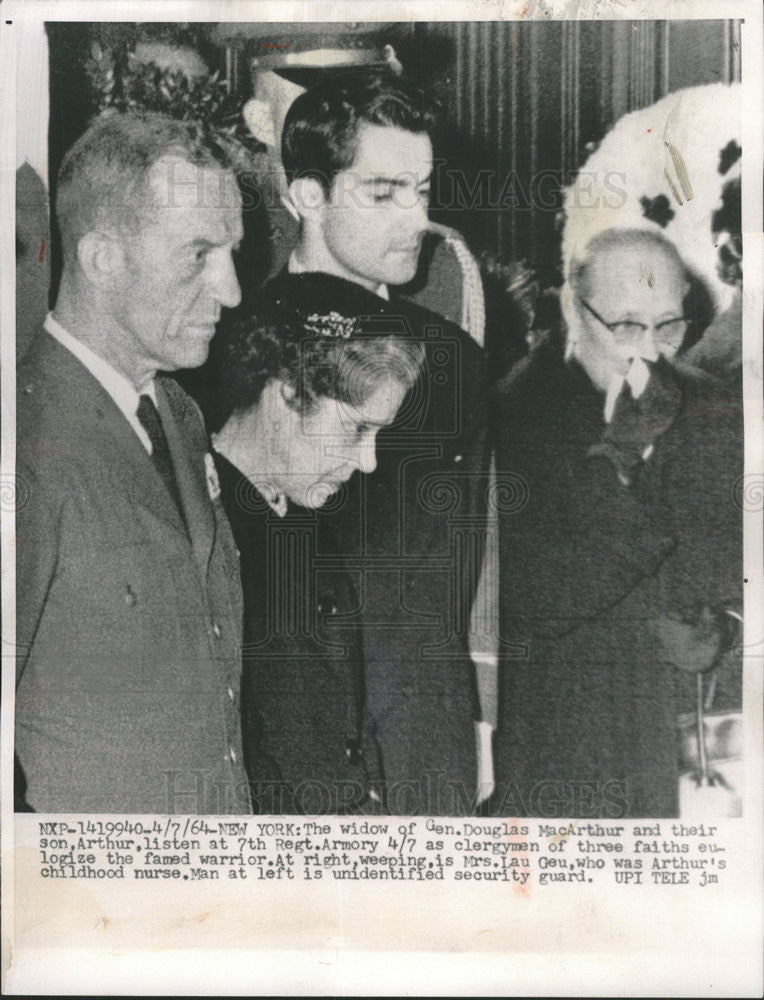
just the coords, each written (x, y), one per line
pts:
(321, 127)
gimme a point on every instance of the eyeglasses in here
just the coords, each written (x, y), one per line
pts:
(670, 331)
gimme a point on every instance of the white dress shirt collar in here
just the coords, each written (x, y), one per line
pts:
(118, 387)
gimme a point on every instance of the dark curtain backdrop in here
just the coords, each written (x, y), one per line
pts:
(525, 102)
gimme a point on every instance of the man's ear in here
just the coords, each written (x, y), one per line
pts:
(101, 257)
(307, 196)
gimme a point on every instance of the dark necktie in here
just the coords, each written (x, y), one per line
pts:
(160, 451)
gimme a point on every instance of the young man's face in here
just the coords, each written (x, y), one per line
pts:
(179, 268)
(375, 216)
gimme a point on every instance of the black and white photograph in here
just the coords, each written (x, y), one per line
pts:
(383, 445)
(397, 291)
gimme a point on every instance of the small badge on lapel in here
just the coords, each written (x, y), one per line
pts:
(213, 483)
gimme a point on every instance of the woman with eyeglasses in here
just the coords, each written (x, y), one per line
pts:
(602, 437)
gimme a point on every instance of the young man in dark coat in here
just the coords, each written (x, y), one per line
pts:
(127, 584)
(358, 155)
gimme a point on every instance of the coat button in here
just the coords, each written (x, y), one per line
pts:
(232, 755)
(216, 630)
(230, 693)
(130, 597)
(353, 751)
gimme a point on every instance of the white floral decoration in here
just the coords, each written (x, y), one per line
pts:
(669, 152)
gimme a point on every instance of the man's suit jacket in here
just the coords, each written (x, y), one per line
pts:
(128, 625)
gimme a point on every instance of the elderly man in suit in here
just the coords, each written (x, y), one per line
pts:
(128, 592)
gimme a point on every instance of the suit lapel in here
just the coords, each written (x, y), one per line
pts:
(190, 472)
(86, 403)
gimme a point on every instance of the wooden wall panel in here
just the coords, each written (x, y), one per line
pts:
(528, 101)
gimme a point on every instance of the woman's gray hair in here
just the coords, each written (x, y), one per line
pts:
(610, 239)
(332, 359)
